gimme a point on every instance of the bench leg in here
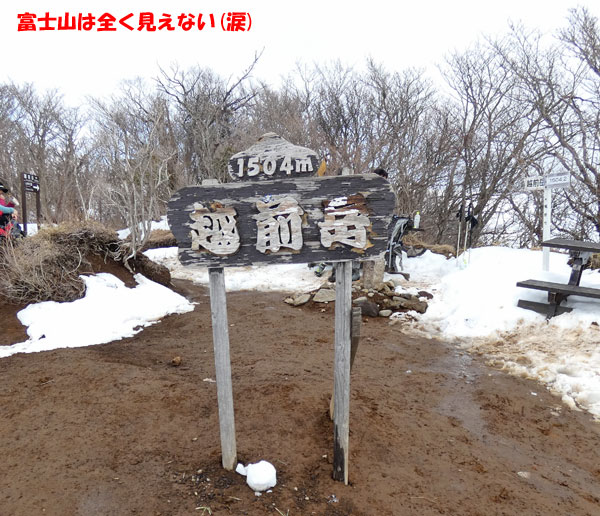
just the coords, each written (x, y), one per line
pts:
(554, 301)
(576, 271)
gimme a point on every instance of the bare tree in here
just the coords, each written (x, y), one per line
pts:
(209, 110)
(133, 158)
(499, 132)
(565, 93)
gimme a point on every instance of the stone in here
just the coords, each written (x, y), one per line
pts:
(387, 290)
(385, 313)
(413, 304)
(368, 308)
(298, 300)
(325, 295)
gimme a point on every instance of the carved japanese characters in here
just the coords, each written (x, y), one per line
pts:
(214, 229)
(279, 224)
(345, 222)
(286, 221)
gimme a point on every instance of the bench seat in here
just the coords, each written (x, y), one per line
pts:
(572, 245)
(543, 308)
(560, 288)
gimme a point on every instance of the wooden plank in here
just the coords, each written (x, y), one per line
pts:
(542, 308)
(240, 226)
(572, 245)
(560, 288)
(341, 389)
(220, 327)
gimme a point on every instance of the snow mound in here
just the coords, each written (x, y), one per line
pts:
(260, 476)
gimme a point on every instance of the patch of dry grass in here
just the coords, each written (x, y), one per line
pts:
(46, 266)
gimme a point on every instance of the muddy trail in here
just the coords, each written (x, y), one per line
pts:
(120, 429)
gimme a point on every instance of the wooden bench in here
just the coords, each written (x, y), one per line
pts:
(559, 292)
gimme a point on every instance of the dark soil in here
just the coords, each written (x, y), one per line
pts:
(116, 429)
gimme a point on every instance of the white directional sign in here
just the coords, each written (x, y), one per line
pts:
(562, 180)
(547, 183)
(31, 182)
(534, 183)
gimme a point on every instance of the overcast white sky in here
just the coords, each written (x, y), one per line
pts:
(398, 34)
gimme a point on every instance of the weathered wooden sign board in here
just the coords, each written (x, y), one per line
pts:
(272, 157)
(277, 210)
(286, 220)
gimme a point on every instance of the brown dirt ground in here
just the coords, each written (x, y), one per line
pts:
(117, 429)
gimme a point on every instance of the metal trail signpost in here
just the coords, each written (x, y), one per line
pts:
(277, 210)
(547, 183)
(30, 183)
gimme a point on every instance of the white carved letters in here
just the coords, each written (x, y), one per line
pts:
(344, 223)
(280, 206)
(304, 165)
(272, 157)
(214, 230)
(279, 224)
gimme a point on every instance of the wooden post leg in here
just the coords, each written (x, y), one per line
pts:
(341, 384)
(218, 308)
(355, 341)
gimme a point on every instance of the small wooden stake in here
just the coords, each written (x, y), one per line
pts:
(220, 327)
(341, 384)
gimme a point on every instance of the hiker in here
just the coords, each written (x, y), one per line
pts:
(8, 213)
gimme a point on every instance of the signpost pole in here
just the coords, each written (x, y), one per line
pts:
(38, 208)
(546, 227)
(218, 307)
(341, 383)
(24, 204)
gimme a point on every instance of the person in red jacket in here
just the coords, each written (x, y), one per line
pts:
(8, 212)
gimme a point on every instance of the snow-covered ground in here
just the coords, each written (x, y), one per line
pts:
(474, 307)
(109, 311)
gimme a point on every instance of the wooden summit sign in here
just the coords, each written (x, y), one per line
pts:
(287, 220)
(278, 210)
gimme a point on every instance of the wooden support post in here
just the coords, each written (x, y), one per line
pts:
(354, 342)
(220, 327)
(23, 205)
(341, 384)
(38, 209)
